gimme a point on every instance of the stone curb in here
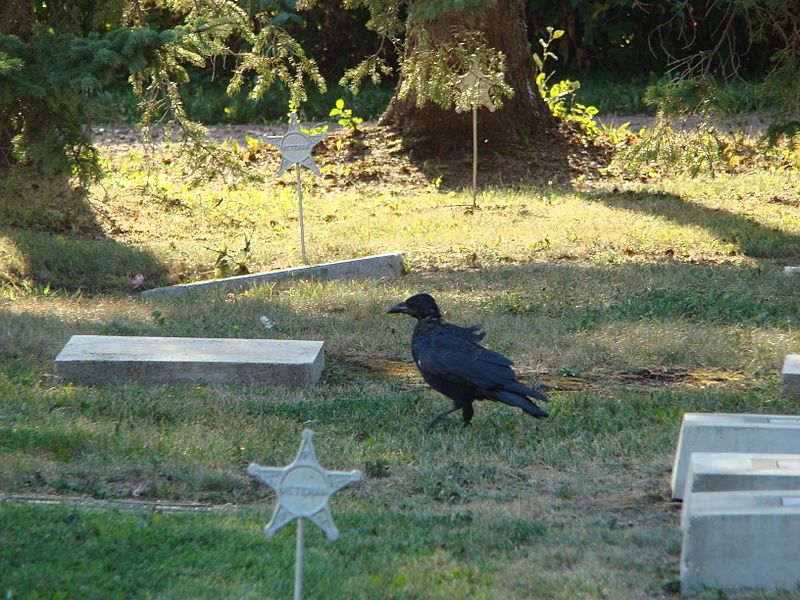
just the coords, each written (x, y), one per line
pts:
(380, 265)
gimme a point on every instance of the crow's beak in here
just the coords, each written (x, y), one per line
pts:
(400, 307)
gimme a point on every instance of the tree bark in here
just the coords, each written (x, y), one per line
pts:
(521, 117)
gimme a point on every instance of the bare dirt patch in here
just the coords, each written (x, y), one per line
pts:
(591, 381)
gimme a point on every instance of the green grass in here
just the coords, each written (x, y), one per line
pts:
(634, 302)
(403, 551)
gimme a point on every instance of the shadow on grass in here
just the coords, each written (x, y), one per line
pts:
(71, 262)
(29, 338)
(105, 554)
(587, 296)
(753, 239)
(386, 553)
(536, 162)
(382, 156)
(53, 237)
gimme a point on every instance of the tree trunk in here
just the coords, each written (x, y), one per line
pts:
(521, 117)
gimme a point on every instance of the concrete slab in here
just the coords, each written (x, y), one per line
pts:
(789, 270)
(368, 267)
(719, 432)
(734, 471)
(99, 359)
(741, 540)
(791, 374)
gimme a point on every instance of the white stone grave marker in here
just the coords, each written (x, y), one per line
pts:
(100, 359)
(732, 471)
(304, 489)
(742, 540)
(718, 432)
(295, 147)
(476, 86)
(790, 374)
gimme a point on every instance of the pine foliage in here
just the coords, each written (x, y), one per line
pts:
(53, 57)
(432, 65)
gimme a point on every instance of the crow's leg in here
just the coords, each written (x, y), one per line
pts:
(436, 419)
(467, 411)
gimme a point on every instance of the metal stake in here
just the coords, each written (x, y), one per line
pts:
(300, 204)
(298, 561)
(474, 156)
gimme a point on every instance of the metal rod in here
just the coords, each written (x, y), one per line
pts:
(474, 156)
(298, 561)
(300, 204)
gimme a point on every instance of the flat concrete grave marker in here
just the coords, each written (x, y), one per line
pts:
(791, 270)
(741, 540)
(730, 472)
(790, 375)
(366, 267)
(785, 420)
(719, 432)
(98, 359)
(304, 489)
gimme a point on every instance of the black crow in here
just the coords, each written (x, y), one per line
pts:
(452, 362)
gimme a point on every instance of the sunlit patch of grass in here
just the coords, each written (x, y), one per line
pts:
(156, 225)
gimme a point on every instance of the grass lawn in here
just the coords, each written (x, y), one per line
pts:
(633, 301)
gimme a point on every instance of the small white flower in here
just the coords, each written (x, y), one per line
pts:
(137, 280)
(267, 323)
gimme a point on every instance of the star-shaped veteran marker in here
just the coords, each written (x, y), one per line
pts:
(304, 489)
(476, 85)
(295, 146)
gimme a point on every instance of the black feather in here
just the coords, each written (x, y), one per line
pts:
(452, 362)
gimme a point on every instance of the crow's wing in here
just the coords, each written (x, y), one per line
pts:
(472, 333)
(448, 354)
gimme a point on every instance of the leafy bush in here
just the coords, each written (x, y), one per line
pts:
(560, 96)
(346, 118)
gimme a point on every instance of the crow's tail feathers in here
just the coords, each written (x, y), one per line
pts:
(514, 399)
(524, 390)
